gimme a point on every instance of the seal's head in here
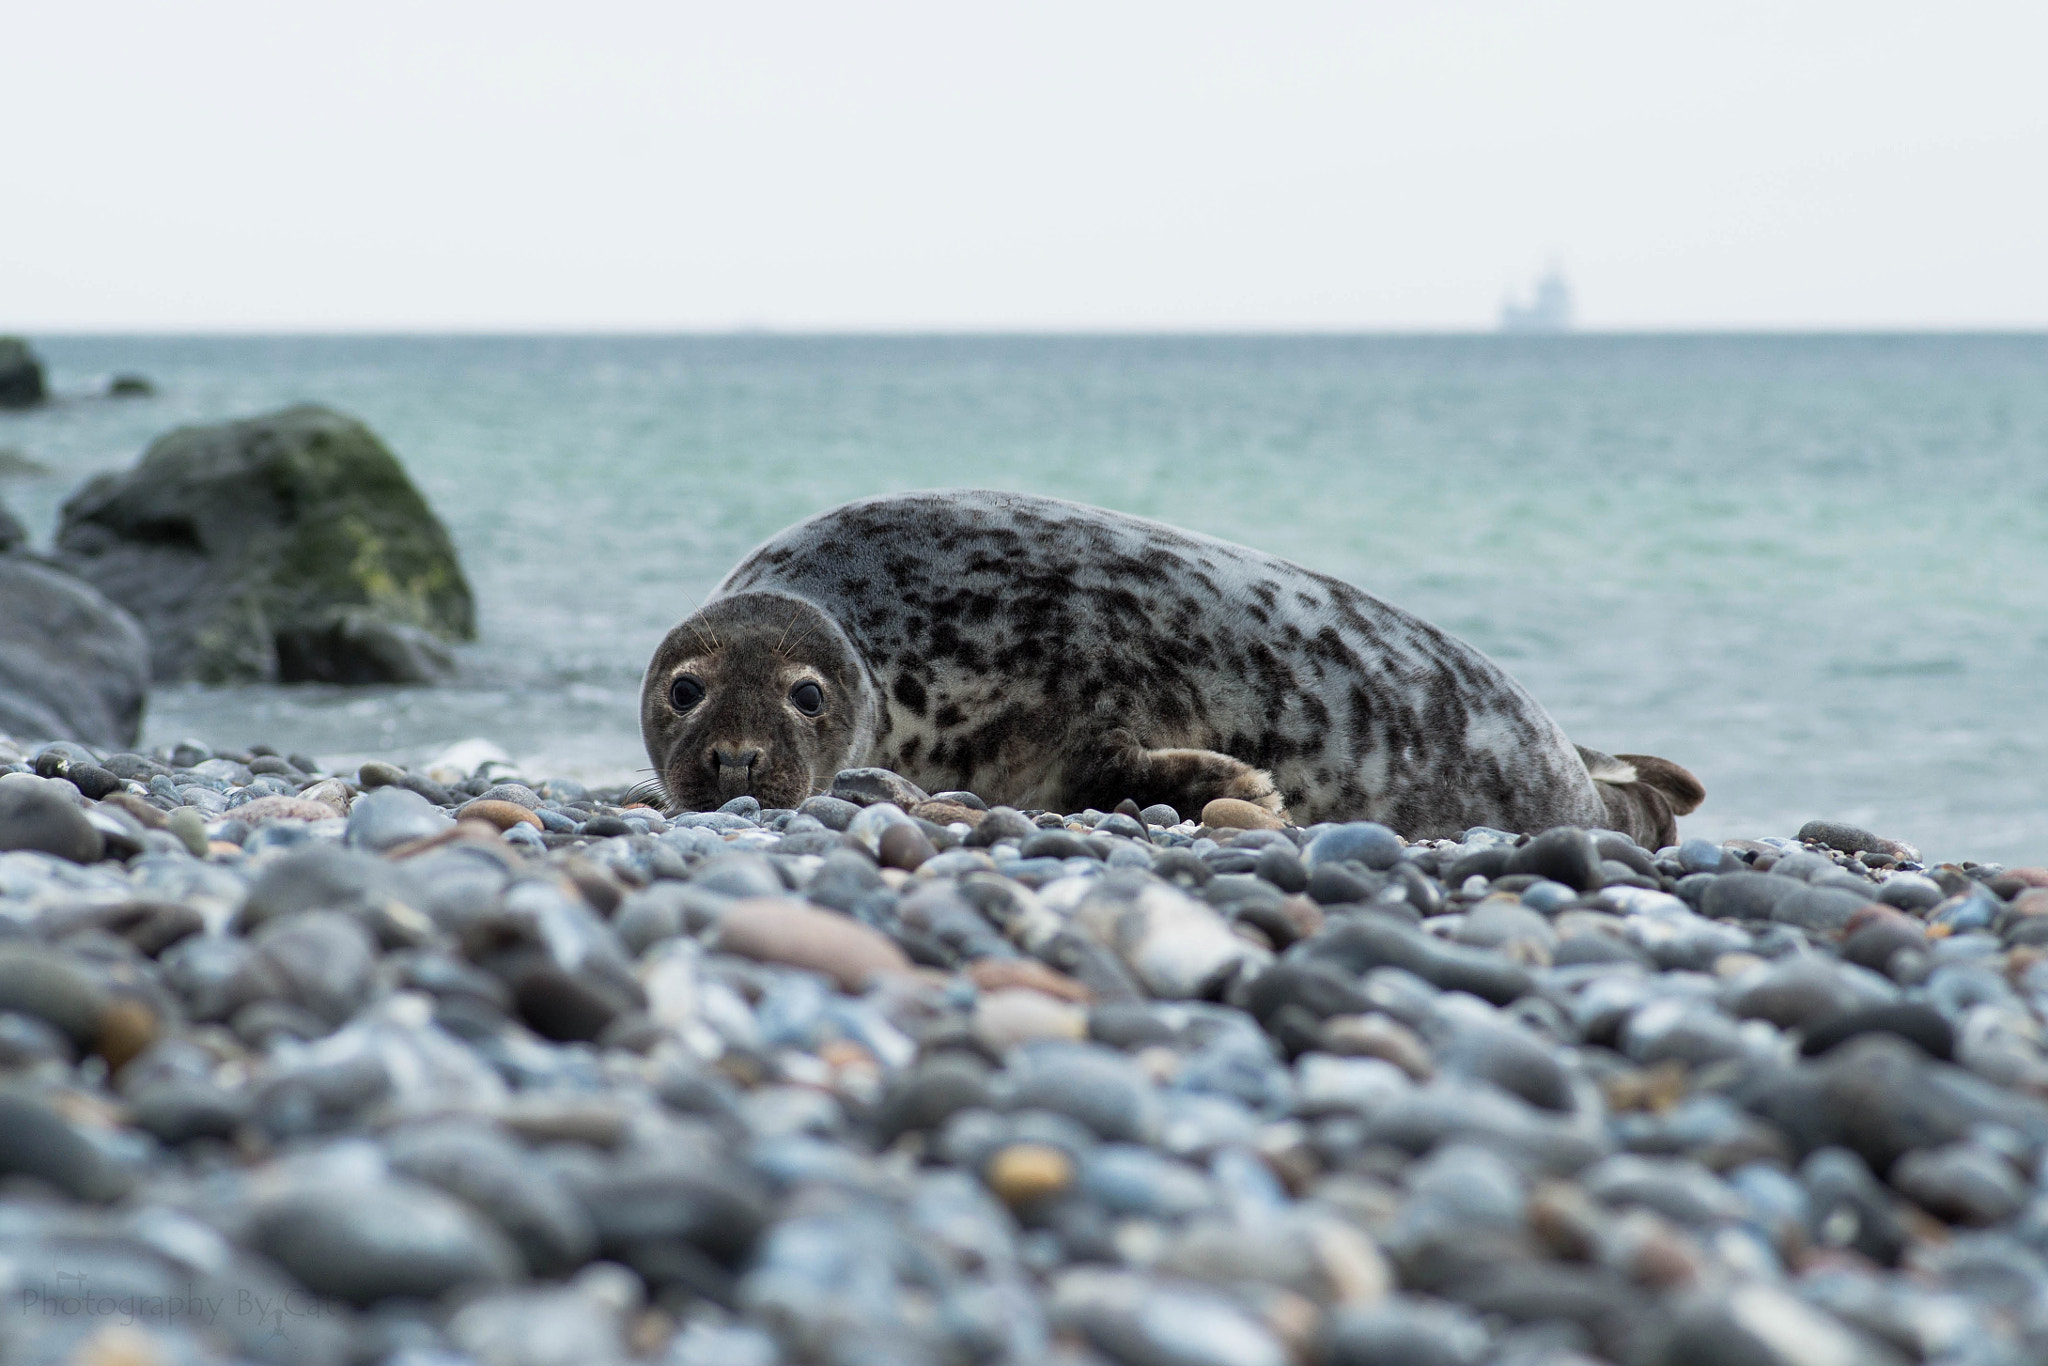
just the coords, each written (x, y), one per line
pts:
(758, 694)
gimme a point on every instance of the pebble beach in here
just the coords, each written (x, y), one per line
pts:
(460, 1064)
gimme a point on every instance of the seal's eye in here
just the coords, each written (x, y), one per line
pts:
(808, 698)
(685, 693)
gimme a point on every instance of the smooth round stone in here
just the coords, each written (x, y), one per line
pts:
(1914, 1021)
(1510, 1059)
(1130, 827)
(504, 815)
(1698, 855)
(50, 985)
(390, 816)
(1101, 1089)
(1819, 909)
(1229, 813)
(931, 1093)
(1565, 854)
(476, 1162)
(1059, 844)
(326, 960)
(1024, 1173)
(1546, 897)
(1001, 823)
(519, 794)
(376, 773)
(1282, 867)
(92, 780)
(1963, 1183)
(39, 814)
(738, 874)
(834, 813)
(866, 786)
(1366, 842)
(746, 807)
(874, 820)
(372, 1241)
(180, 1109)
(780, 930)
(1159, 813)
(1745, 896)
(903, 846)
(36, 1141)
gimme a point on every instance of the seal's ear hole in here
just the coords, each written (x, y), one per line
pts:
(685, 693)
(807, 697)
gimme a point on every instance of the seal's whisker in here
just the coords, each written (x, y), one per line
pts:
(794, 613)
(651, 791)
(805, 636)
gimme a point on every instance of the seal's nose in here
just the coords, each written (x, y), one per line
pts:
(735, 769)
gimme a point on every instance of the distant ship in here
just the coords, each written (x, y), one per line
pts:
(1548, 310)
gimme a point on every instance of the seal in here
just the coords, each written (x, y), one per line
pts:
(1051, 655)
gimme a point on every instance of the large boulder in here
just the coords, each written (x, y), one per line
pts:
(73, 666)
(21, 375)
(284, 548)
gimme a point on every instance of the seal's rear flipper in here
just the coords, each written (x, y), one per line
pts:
(1185, 779)
(1645, 795)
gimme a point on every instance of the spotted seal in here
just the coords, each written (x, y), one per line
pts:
(1047, 654)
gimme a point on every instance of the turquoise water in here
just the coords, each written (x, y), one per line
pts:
(1813, 569)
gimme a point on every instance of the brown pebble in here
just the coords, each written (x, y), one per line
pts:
(781, 930)
(999, 974)
(1022, 1173)
(1228, 813)
(127, 1026)
(266, 809)
(504, 815)
(905, 847)
(948, 813)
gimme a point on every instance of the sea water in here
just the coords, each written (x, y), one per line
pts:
(1813, 569)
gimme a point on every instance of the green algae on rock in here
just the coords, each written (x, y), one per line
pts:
(269, 550)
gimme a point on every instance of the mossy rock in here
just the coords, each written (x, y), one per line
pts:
(21, 375)
(226, 539)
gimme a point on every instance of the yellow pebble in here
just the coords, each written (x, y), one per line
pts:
(1024, 1172)
(1232, 814)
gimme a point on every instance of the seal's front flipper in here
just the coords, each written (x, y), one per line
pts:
(1644, 795)
(1185, 779)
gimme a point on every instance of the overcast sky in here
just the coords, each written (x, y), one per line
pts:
(896, 164)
